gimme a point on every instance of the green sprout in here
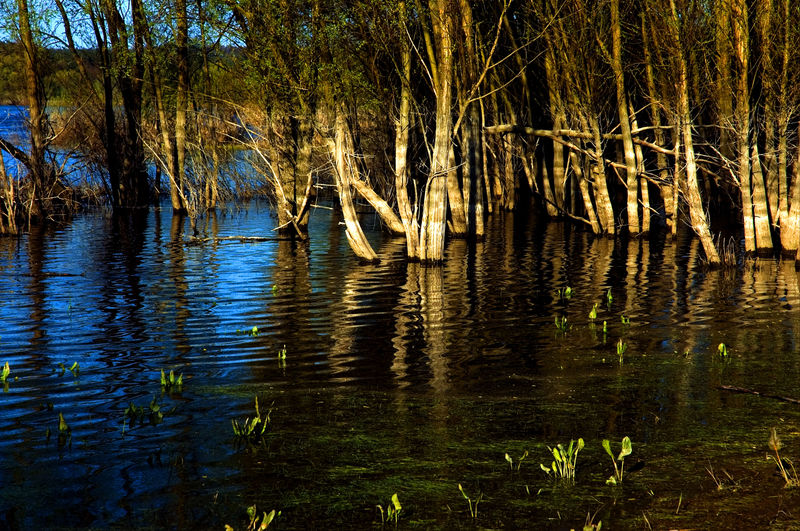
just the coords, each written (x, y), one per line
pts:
(563, 467)
(510, 461)
(75, 369)
(775, 445)
(623, 453)
(258, 523)
(625, 320)
(282, 353)
(152, 412)
(622, 347)
(5, 373)
(722, 349)
(609, 297)
(63, 427)
(564, 293)
(171, 383)
(473, 504)
(392, 511)
(593, 312)
(561, 323)
(252, 430)
(253, 332)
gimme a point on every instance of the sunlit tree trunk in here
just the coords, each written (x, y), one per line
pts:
(644, 190)
(434, 214)
(342, 152)
(693, 198)
(605, 210)
(402, 128)
(624, 120)
(583, 185)
(755, 212)
(665, 186)
(558, 195)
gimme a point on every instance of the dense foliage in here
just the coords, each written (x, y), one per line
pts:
(623, 116)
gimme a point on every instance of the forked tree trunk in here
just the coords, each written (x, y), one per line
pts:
(342, 150)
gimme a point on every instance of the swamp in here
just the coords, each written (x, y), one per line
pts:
(361, 264)
(388, 379)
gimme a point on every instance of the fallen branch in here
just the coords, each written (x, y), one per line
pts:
(735, 389)
(240, 239)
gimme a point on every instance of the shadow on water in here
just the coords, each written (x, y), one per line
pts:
(387, 378)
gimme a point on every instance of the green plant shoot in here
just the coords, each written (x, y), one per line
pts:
(171, 383)
(775, 445)
(473, 504)
(622, 347)
(625, 451)
(5, 373)
(722, 349)
(593, 312)
(563, 466)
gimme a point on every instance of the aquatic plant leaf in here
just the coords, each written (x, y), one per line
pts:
(581, 444)
(557, 455)
(509, 460)
(607, 447)
(62, 424)
(627, 448)
(774, 441)
(396, 502)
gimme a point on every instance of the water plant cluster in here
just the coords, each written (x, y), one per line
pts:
(565, 460)
(252, 431)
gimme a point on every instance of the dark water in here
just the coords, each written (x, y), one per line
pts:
(397, 378)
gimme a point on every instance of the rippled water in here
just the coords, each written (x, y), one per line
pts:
(397, 378)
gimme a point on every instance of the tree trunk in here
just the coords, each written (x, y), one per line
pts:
(434, 214)
(624, 120)
(181, 94)
(37, 119)
(341, 151)
(693, 198)
(665, 189)
(403, 126)
(583, 185)
(605, 209)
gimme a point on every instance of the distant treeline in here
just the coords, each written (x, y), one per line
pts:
(618, 115)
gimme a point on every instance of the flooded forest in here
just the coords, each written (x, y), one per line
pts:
(431, 264)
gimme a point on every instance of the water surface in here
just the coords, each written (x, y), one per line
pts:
(397, 378)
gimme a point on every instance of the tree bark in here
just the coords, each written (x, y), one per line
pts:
(624, 120)
(341, 151)
(693, 198)
(432, 229)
